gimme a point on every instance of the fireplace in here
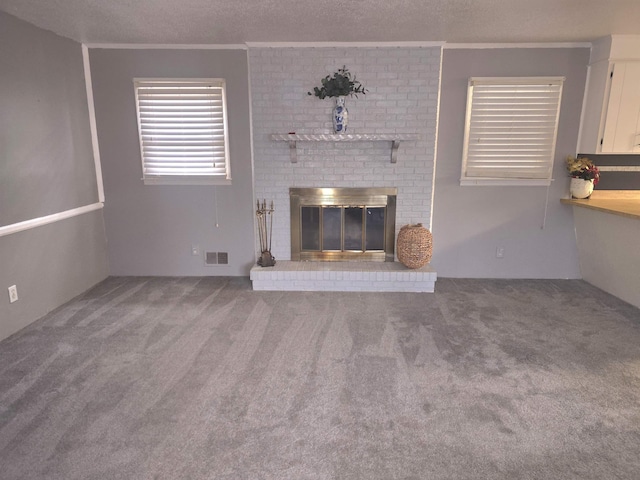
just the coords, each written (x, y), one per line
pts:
(343, 224)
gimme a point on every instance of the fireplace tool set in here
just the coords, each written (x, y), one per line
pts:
(265, 231)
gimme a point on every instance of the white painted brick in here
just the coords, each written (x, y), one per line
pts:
(403, 79)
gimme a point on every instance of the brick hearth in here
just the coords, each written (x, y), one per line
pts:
(343, 276)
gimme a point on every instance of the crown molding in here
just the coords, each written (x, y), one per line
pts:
(155, 46)
(480, 46)
(344, 44)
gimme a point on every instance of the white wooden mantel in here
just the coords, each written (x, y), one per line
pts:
(394, 138)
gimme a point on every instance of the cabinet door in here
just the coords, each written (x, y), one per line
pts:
(622, 123)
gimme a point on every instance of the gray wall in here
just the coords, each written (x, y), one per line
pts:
(46, 167)
(470, 222)
(151, 228)
(44, 124)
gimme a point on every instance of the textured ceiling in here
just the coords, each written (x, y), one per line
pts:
(242, 21)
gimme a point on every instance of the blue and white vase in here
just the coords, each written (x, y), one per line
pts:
(340, 116)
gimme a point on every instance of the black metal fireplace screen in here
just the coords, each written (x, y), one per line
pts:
(343, 224)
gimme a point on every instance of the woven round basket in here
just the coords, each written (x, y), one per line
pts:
(415, 246)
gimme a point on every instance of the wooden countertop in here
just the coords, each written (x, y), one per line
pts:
(618, 202)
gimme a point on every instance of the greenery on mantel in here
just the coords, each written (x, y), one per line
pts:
(341, 84)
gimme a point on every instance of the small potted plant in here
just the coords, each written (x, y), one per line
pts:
(584, 176)
(342, 84)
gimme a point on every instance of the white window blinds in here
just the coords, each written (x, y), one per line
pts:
(511, 127)
(183, 131)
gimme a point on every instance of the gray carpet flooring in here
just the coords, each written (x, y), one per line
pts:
(202, 378)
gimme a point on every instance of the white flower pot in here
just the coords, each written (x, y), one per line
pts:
(580, 188)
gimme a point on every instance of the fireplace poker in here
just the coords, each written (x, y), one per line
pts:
(264, 225)
(270, 224)
(259, 217)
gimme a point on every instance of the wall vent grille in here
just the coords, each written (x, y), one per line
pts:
(216, 258)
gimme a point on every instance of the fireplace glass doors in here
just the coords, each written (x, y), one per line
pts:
(341, 224)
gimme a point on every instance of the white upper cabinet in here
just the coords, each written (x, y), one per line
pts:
(611, 110)
(621, 129)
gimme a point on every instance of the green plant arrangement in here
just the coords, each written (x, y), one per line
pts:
(341, 84)
(583, 168)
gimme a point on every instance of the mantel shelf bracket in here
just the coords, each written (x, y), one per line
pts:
(293, 140)
(394, 151)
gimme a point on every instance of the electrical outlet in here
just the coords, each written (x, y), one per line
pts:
(195, 250)
(499, 252)
(13, 294)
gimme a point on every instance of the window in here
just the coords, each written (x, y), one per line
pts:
(510, 130)
(183, 131)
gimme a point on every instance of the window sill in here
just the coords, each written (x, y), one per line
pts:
(186, 181)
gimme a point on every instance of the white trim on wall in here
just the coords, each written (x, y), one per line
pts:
(344, 44)
(253, 165)
(92, 122)
(435, 142)
(486, 46)
(248, 45)
(54, 217)
(166, 46)
(584, 104)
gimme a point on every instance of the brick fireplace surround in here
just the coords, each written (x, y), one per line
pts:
(402, 98)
